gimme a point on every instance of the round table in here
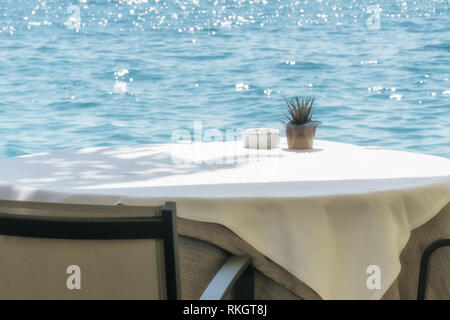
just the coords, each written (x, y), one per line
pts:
(325, 214)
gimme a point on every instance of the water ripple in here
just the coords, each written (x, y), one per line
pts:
(226, 63)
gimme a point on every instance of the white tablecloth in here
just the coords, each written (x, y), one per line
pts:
(325, 215)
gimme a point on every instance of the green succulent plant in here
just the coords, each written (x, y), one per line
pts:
(299, 110)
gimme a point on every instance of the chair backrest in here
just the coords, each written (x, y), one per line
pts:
(131, 253)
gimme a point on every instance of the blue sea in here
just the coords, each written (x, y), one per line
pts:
(98, 73)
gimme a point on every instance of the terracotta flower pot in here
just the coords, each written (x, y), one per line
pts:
(302, 136)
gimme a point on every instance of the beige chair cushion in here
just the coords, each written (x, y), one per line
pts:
(34, 268)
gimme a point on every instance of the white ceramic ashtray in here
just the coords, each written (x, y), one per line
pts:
(261, 138)
(184, 141)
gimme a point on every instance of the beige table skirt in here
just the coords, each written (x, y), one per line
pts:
(204, 247)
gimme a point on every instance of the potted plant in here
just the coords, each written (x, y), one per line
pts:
(300, 128)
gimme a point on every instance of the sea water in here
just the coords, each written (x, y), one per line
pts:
(97, 73)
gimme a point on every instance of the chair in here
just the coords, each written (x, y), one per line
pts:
(424, 263)
(100, 252)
